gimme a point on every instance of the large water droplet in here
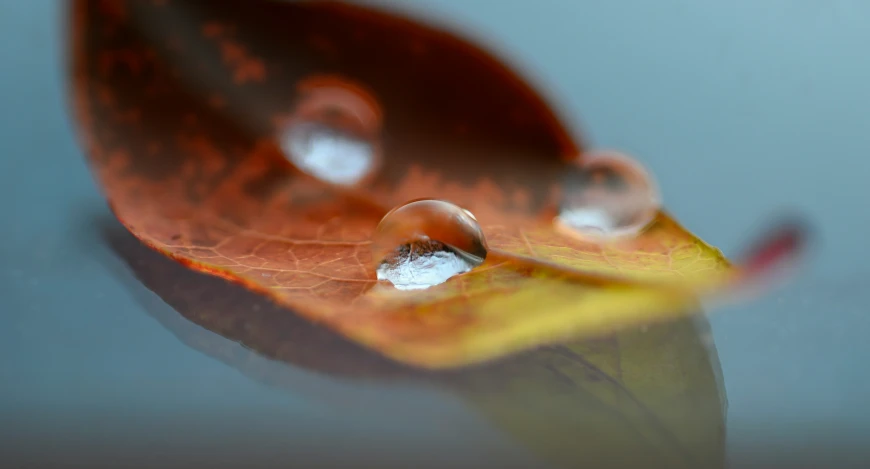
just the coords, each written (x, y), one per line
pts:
(607, 195)
(426, 242)
(334, 132)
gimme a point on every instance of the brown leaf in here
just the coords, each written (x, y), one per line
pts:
(182, 107)
(644, 396)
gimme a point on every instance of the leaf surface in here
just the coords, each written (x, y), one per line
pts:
(181, 106)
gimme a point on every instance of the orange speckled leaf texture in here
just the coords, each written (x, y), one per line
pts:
(182, 107)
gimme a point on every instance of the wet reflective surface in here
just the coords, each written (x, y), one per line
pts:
(607, 195)
(426, 242)
(327, 153)
(333, 133)
(87, 350)
(421, 264)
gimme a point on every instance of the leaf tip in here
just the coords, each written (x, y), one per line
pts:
(781, 245)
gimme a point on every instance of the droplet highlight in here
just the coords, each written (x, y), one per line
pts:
(334, 132)
(607, 195)
(426, 242)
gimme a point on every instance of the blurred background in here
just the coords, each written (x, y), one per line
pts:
(742, 109)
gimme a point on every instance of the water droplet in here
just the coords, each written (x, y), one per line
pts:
(426, 242)
(607, 195)
(334, 132)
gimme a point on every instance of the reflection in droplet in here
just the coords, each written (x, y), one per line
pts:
(426, 242)
(334, 132)
(422, 264)
(607, 195)
(328, 154)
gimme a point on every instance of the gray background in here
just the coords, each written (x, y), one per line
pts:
(741, 108)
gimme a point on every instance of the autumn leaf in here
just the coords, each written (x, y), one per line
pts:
(649, 396)
(184, 109)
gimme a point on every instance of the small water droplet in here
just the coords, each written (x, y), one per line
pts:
(334, 133)
(607, 195)
(425, 242)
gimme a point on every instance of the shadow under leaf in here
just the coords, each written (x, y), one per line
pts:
(649, 397)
